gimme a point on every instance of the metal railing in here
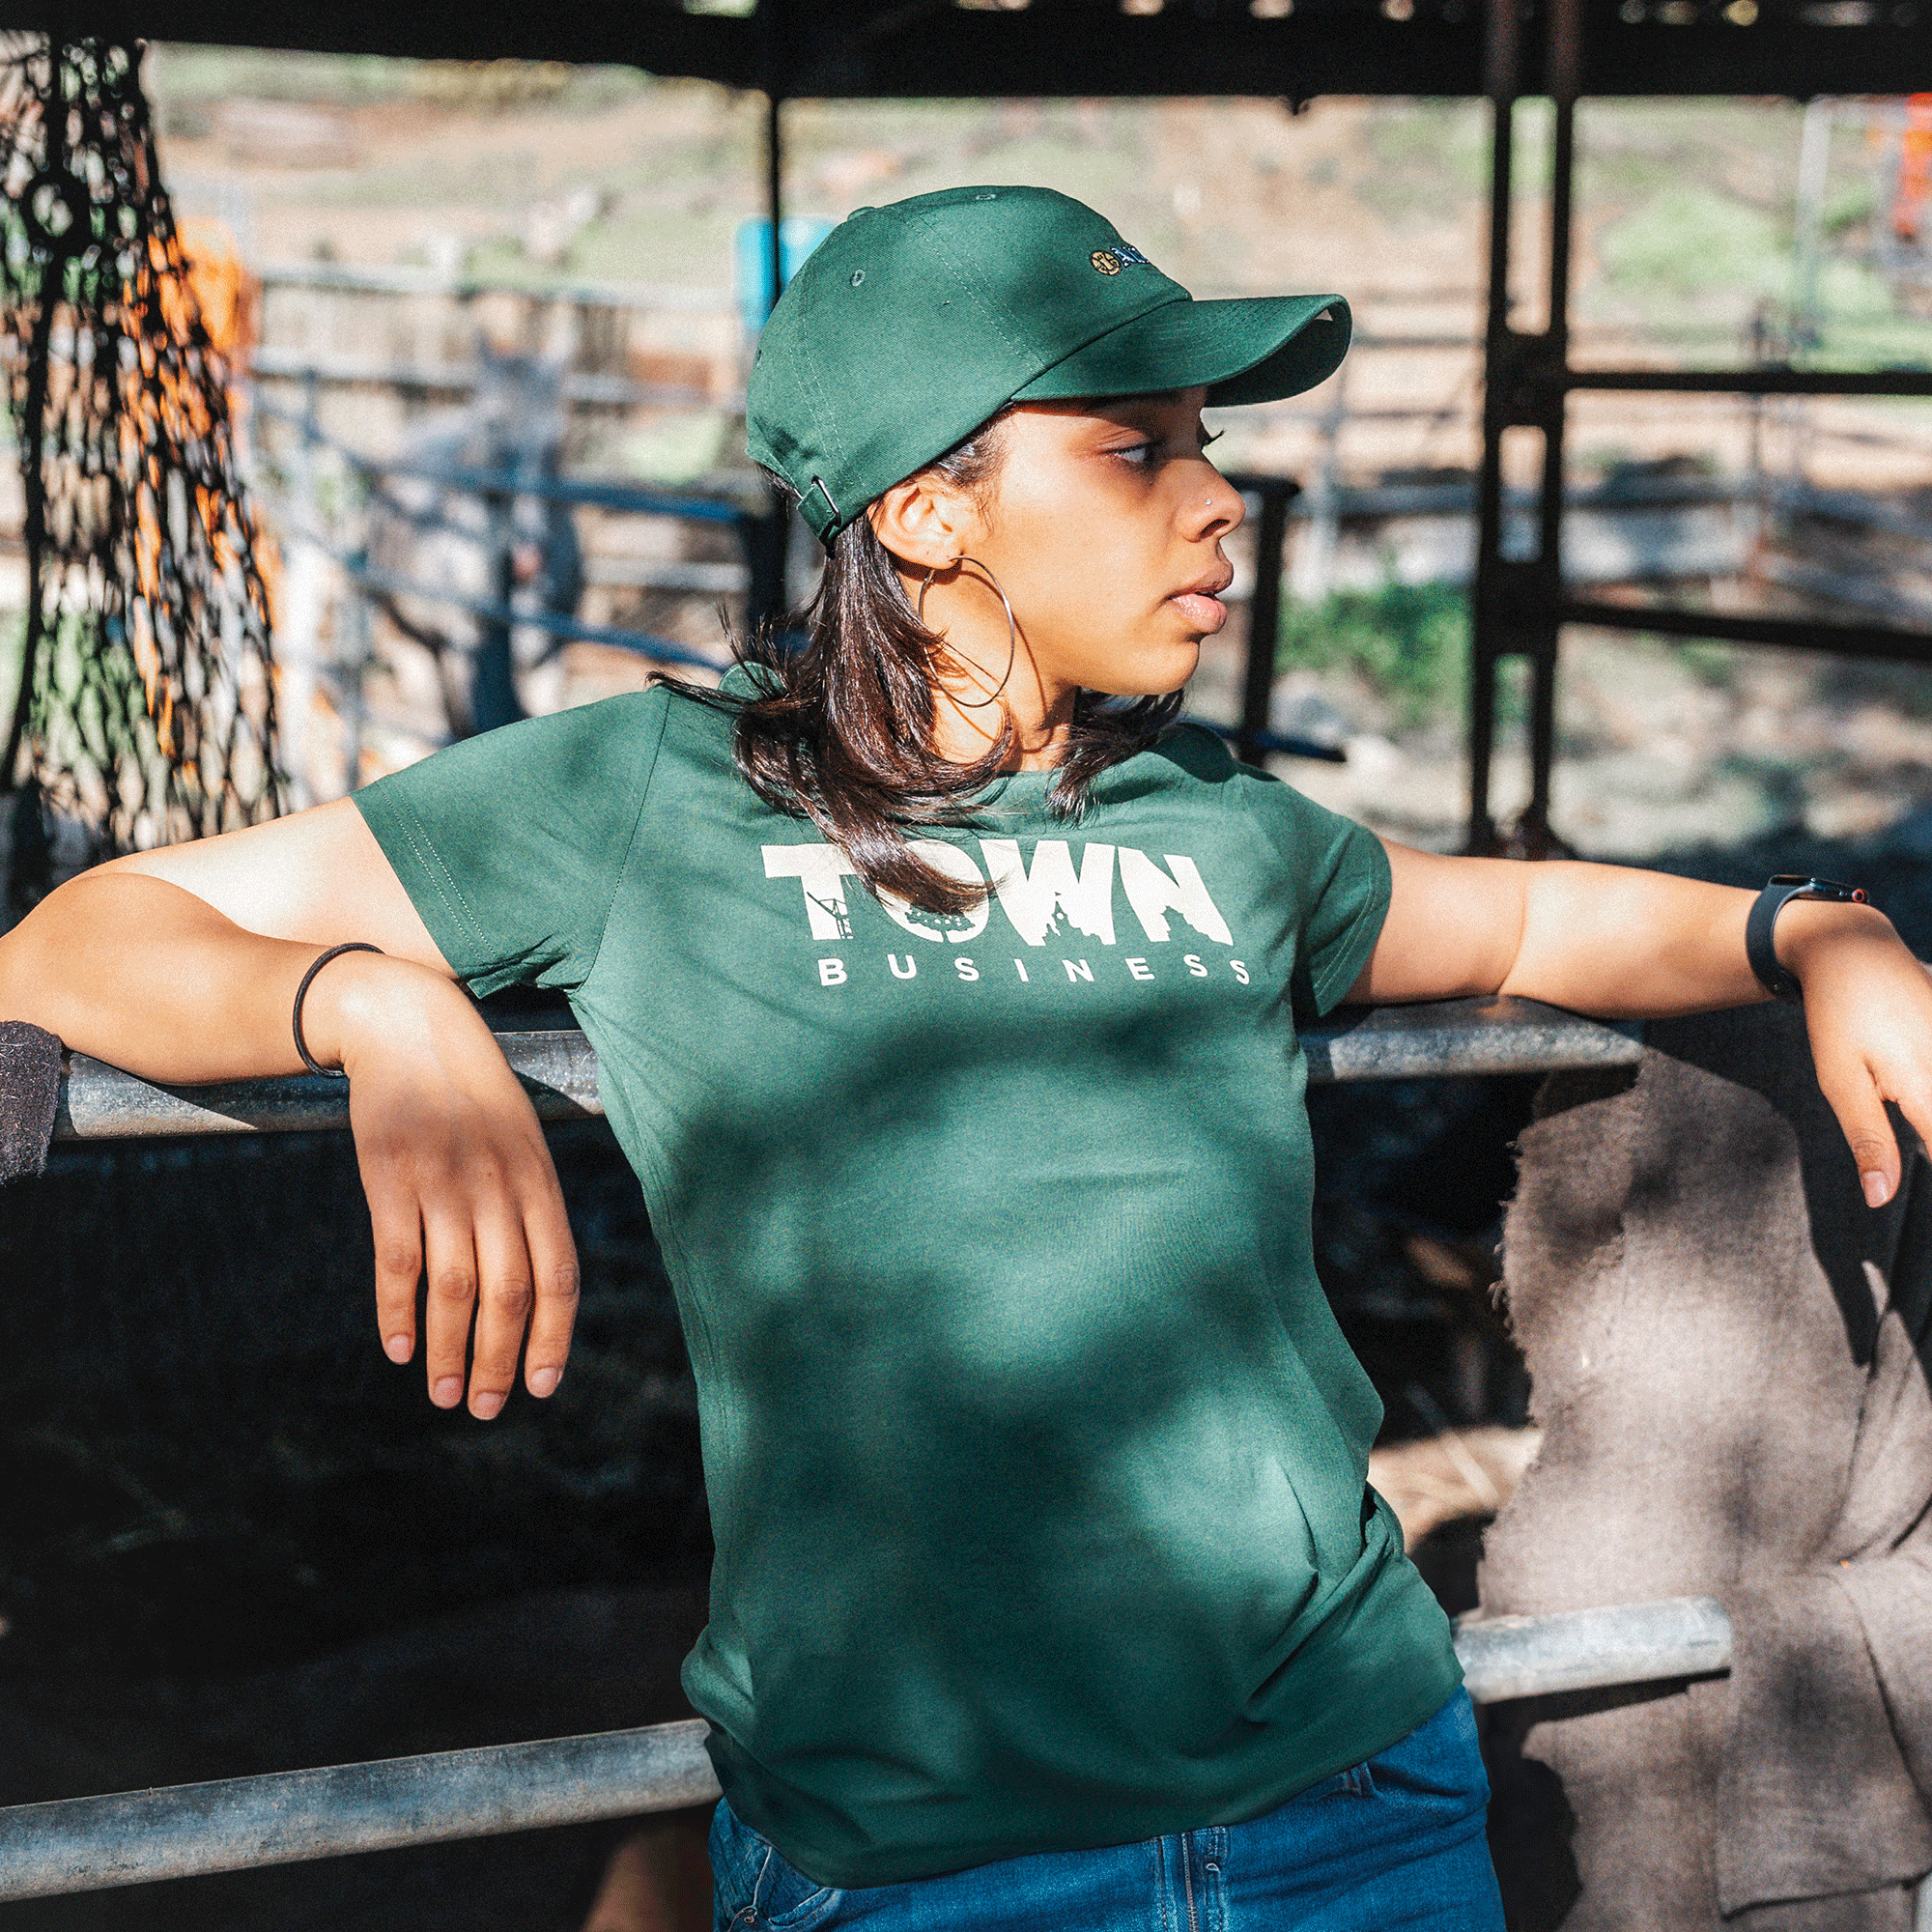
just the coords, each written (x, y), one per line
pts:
(135, 1837)
(751, 517)
(559, 1069)
(184, 1831)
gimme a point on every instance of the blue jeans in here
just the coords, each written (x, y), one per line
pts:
(1394, 1842)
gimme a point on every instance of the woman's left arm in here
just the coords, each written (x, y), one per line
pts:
(1622, 944)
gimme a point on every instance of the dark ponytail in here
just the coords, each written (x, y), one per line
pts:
(841, 730)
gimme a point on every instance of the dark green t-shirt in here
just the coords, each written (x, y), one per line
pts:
(1036, 1459)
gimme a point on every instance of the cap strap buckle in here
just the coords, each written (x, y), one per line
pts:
(817, 483)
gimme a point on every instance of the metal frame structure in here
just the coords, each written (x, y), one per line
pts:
(1522, 605)
(860, 49)
(1505, 50)
(133, 1837)
(140, 1837)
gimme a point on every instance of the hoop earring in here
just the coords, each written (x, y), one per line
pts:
(1013, 629)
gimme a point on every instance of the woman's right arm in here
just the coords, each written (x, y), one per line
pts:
(182, 965)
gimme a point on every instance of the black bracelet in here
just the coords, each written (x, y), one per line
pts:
(1762, 925)
(309, 1060)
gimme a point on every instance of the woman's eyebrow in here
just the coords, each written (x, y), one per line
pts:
(1142, 412)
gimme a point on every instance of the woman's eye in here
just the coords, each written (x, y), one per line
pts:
(1138, 453)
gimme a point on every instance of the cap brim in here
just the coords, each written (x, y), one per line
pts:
(1248, 349)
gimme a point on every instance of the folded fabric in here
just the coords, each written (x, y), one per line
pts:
(1724, 1345)
(30, 1075)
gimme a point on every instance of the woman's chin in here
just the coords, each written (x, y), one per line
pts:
(1151, 672)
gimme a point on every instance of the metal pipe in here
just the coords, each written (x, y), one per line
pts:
(1546, 637)
(553, 623)
(1771, 382)
(100, 1102)
(1882, 642)
(1502, 81)
(83, 1844)
(86, 1844)
(1504, 1658)
(1263, 613)
(559, 1069)
(1462, 1037)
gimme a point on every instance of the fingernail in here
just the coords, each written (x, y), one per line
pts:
(544, 1382)
(397, 1348)
(485, 1404)
(1876, 1191)
(447, 1392)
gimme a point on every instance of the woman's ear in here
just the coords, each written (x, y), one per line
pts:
(924, 521)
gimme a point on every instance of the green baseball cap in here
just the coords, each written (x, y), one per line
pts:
(910, 325)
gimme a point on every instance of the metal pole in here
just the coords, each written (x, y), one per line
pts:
(1485, 647)
(84, 1844)
(768, 538)
(1592, 1650)
(1563, 67)
(1814, 161)
(493, 691)
(1263, 618)
(775, 195)
(559, 1069)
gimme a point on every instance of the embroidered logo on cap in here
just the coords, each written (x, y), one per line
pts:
(1111, 261)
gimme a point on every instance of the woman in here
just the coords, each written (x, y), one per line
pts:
(948, 1015)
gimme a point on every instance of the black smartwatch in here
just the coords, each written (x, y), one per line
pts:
(1763, 922)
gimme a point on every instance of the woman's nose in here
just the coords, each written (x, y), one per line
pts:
(1218, 508)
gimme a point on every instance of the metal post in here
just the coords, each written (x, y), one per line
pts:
(1263, 618)
(493, 691)
(1322, 530)
(1518, 602)
(355, 678)
(1550, 403)
(1814, 162)
(1485, 647)
(768, 538)
(775, 195)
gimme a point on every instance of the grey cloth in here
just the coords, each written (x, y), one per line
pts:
(1725, 1343)
(30, 1073)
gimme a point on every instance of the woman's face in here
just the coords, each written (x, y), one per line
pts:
(1103, 524)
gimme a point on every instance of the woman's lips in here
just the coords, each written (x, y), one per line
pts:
(1204, 613)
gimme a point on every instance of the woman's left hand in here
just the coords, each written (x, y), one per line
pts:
(1632, 945)
(1868, 1009)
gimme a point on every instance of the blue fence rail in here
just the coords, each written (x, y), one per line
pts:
(751, 517)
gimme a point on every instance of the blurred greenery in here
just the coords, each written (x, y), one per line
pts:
(1409, 642)
(1689, 238)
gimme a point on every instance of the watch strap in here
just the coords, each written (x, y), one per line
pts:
(1760, 928)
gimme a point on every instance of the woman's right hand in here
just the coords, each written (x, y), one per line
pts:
(463, 1195)
(182, 965)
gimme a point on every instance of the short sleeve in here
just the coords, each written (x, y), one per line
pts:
(1340, 873)
(512, 845)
